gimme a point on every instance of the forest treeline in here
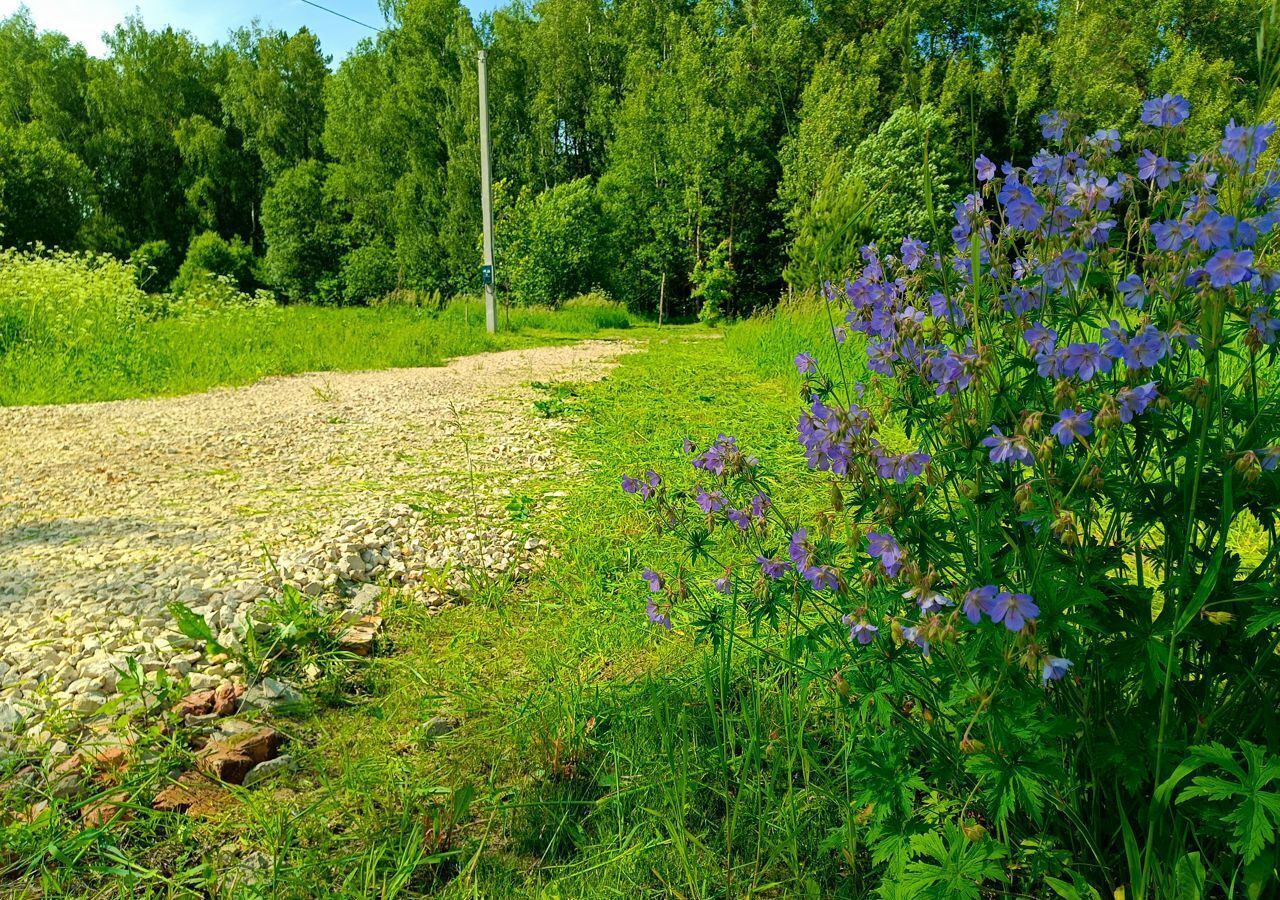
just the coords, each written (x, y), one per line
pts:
(710, 150)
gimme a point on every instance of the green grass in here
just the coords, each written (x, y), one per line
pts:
(192, 352)
(607, 758)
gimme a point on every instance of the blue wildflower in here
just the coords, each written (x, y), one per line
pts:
(1014, 610)
(986, 169)
(653, 578)
(1166, 111)
(1055, 669)
(1022, 210)
(1053, 125)
(979, 601)
(860, 630)
(1227, 267)
(1214, 231)
(656, 617)
(1072, 425)
(1134, 401)
(805, 364)
(1148, 348)
(913, 635)
(1133, 291)
(913, 253)
(1008, 449)
(710, 501)
(1106, 139)
(773, 568)
(884, 547)
(1264, 324)
(1170, 235)
(1243, 144)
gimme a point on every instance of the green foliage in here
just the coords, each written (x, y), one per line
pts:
(893, 159)
(44, 189)
(368, 273)
(553, 245)
(1248, 788)
(696, 122)
(77, 327)
(829, 230)
(210, 256)
(713, 283)
(155, 265)
(304, 239)
(55, 302)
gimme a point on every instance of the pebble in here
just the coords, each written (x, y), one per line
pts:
(219, 500)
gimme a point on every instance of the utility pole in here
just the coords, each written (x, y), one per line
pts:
(486, 201)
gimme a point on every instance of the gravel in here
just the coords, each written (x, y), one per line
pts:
(336, 483)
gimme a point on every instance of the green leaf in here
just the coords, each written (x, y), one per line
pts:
(194, 626)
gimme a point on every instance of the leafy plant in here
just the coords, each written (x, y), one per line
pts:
(1021, 552)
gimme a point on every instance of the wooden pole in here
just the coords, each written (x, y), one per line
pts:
(662, 293)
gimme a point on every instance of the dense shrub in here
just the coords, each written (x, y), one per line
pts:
(210, 257)
(1038, 562)
(155, 265)
(304, 241)
(554, 244)
(713, 283)
(891, 163)
(53, 301)
(368, 273)
(44, 189)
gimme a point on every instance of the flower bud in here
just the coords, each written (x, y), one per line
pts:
(974, 833)
(1197, 393)
(1249, 466)
(1108, 413)
(1064, 528)
(1022, 497)
(1032, 422)
(970, 746)
(837, 498)
(1219, 618)
(1064, 394)
(842, 686)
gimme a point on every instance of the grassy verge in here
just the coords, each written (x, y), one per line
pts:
(594, 755)
(192, 352)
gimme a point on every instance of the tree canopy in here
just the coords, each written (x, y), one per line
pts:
(660, 131)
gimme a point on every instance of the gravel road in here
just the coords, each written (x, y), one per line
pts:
(111, 511)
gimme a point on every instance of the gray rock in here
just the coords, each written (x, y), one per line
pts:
(438, 725)
(270, 693)
(265, 770)
(11, 719)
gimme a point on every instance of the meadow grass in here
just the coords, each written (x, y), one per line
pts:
(596, 755)
(115, 358)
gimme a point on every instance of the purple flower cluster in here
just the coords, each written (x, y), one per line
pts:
(820, 577)
(831, 436)
(900, 466)
(644, 487)
(1004, 337)
(1012, 610)
(724, 457)
(884, 547)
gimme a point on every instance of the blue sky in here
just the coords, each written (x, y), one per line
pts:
(85, 20)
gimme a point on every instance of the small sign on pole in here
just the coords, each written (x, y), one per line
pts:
(486, 275)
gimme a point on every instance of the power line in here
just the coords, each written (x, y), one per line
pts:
(334, 12)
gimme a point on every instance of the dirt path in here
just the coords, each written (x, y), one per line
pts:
(110, 511)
